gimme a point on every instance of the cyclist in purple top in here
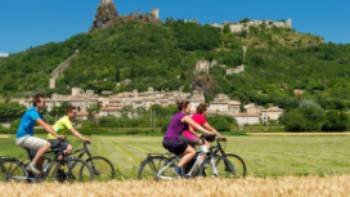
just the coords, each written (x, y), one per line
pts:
(173, 140)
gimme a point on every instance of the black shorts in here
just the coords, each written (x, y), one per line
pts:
(175, 146)
(58, 145)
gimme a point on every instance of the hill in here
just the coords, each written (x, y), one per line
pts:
(282, 65)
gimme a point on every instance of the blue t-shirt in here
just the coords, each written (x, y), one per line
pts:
(28, 122)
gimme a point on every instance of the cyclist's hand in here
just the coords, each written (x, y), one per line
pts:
(61, 137)
(222, 138)
(87, 141)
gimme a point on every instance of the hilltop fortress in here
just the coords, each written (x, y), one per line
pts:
(107, 14)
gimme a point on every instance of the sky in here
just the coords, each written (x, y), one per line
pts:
(29, 23)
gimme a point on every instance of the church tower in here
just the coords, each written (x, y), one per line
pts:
(106, 14)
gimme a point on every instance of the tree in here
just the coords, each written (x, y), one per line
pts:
(309, 116)
(10, 111)
(335, 121)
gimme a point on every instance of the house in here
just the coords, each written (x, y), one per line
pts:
(247, 119)
(222, 104)
(274, 113)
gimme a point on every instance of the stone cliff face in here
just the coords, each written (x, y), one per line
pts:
(106, 14)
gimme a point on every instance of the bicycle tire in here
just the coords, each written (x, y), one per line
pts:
(79, 170)
(99, 165)
(13, 170)
(150, 166)
(227, 166)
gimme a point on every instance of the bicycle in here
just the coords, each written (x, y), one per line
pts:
(61, 170)
(161, 166)
(102, 168)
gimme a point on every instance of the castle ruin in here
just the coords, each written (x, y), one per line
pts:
(107, 14)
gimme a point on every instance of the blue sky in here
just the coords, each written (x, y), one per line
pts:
(26, 23)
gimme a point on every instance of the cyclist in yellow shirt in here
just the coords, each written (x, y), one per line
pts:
(63, 126)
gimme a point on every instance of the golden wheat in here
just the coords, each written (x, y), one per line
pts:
(284, 186)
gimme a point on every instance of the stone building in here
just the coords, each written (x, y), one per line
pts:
(236, 70)
(239, 27)
(274, 113)
(223, 105)
(107, 14)
(247, 119)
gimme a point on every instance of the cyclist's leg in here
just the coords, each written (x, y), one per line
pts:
(69, 149)
(60, 146)
(187, 156)
(183, 149)
(40, 146)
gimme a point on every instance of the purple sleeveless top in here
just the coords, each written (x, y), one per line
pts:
(176, 127)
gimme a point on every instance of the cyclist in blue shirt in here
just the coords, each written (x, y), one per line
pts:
(25, 132)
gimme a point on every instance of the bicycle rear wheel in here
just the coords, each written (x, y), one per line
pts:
(102, 168)
(79, 170)
(167, 170)
(227, 166)
(150, 166)
(12, 169)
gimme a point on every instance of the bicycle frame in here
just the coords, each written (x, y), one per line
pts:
(83, 151)
(214, 151)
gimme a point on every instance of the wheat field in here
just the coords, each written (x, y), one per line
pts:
(282, 186)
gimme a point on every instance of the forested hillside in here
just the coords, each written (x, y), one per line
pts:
(282, 65)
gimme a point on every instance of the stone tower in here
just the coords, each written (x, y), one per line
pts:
(106, 14)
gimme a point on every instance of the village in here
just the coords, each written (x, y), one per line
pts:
(113, 104)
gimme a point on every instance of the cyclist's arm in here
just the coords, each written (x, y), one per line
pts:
(78, 134)
(47, 127)
(212, 129)
(192, 123)
(193, 131)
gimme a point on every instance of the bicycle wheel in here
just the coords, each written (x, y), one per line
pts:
(78, 170)
(13, 170)
(150, 166)
(227, 166)
(102, 168)
(167, 170)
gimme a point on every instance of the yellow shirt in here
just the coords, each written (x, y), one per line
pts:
(61, 127)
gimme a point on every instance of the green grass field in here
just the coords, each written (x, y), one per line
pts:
(265, 155)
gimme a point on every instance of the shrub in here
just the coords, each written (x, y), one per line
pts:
(10, 111)
(308, 116)
(222, 123)
(335, 121)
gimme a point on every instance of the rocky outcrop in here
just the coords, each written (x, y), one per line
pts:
(106, 14)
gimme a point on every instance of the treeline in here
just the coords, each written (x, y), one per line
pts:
(310, 116)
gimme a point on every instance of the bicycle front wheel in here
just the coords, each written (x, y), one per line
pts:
(227, 166)
(102, 168)
(231, 166)
(79, 170)
(12, 169)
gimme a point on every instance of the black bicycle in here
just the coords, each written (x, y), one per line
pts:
(101, 167)
(65, 169)
(215, 163)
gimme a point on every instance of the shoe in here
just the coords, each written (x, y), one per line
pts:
(179, 171)
(33, 169)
